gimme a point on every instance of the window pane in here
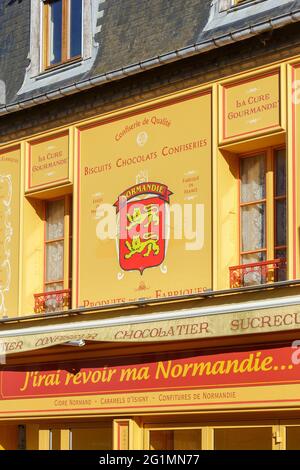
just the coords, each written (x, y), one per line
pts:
(280, 208)
(55, 32)
(75, 28)
(54, 286)
(281, 271)
(54, 261)
(280, 176)
(55, 211)
(255, 275)
(253, 227)
(293, 438)
(280, 254)
(252, 178)
(92, 439)
(254, 257)
(243, 439)
(181, 439)
(54, 303)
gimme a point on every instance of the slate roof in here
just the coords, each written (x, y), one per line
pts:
(132, 31)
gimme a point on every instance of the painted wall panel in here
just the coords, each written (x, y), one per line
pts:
(251, 105)
(9, 231)
(159, 159)
(48, 162)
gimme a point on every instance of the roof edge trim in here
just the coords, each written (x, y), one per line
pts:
(169, 57)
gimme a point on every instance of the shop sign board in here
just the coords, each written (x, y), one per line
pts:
(251, 106)
(48, 162)
(260, 377)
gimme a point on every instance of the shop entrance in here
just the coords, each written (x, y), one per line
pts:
(243, 435)
(157, 433)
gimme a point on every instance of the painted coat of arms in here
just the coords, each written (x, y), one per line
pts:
(142, 214)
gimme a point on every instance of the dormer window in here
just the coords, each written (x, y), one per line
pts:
(64, 41)
(227, 4)
(224, 13)
(62, 31)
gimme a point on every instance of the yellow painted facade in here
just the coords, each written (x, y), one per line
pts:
(221, 211)
(188, 143)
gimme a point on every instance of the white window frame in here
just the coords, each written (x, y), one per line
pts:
(221, 16)
(36, 76)
(85, 43)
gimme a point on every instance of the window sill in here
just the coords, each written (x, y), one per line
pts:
(69, 71)
(63, 64)
(56, 69)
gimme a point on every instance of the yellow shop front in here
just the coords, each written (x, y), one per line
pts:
(158, 247)
(212, 383)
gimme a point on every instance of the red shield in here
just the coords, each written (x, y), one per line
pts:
(142, 234)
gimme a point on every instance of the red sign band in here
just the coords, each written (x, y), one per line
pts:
(159, 189)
